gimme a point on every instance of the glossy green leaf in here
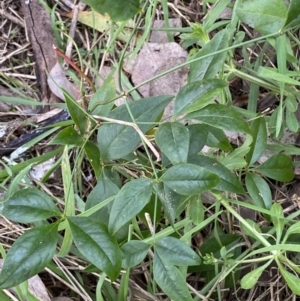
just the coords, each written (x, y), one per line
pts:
(93, 154)
(279, 167)
(118, 10)
(210, 66)
(28, 206)
(277, 219)
(293, 12)
(101, 102)
(68, 136)
(228, 181)
(104, 189)
(175, 252)
(292, 280)
(94, 243)
(173, 139)
(259, 144)
(263, 15)
(170, 200)
(197, 95)
(133, 253)
(170, 280)
(259, 190)
(221, 116)
(130, 200)
(29, 255)
(198, 136)
(251, 278)
(116, 140)
(77, 113)
(189, 179)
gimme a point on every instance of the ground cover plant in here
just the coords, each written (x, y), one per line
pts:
(180, 191)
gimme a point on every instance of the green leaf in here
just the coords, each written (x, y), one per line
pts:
(210, 66)
(293, 229)
(259, 144)
(133, 253)
(93, 241)
(293, 12)
(104, 189)
(118, 10)
(278, 222)
(197, 95)
(131, 199)
(291, 121)
(263, 15)
(236, 159)
(189, 179)
(291, 103)
(212, 244)
(175, 252)
(250, 279)
(279, 167)
(170, 200)
(259, 190)
(170, 280)
(221, 116)
(228, 181)
(217, 138)
(292, 280)
(29, 255)
(196, 209)
(101, 102)
(116, 140)
(273, 74)
(93, 154)
(29, 205)
(173, 139)
(198, 136)
(77, 113)
(68, 136)
(255, 227)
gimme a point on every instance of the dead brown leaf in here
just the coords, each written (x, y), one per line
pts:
(57, 80)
